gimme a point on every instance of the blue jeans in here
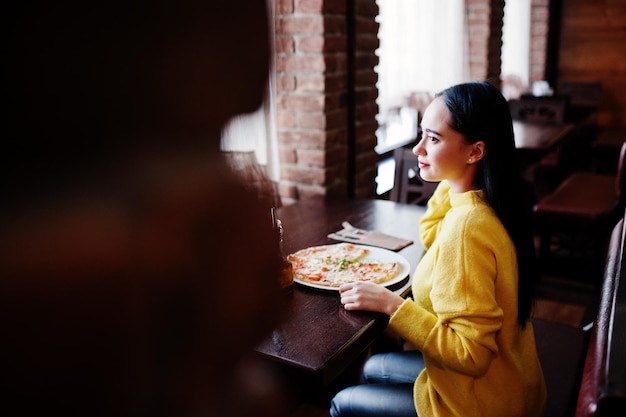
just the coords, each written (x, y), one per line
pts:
(388, 388)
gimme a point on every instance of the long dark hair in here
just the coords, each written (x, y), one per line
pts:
(481, 113)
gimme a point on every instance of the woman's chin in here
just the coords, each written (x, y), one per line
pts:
(427, 178)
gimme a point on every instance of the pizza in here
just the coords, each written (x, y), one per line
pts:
(333, 265)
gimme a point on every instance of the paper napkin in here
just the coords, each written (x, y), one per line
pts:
(369, 237)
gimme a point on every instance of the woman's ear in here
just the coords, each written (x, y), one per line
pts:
(478, 151)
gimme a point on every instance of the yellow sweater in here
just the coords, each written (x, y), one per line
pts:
(463, 316)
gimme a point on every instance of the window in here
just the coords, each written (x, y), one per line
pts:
(257, 131)
(515, 48)
(423, 49)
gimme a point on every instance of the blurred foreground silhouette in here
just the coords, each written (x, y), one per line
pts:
(136, 270)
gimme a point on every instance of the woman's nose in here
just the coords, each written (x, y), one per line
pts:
(417, 149)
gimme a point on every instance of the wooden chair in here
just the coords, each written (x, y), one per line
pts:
(583, 103)
(408, 187)
(575, 220)
(561, 349)
(583, 98)
(606, 147)
(553, 167)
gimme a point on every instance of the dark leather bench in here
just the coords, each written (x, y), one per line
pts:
(603, 387)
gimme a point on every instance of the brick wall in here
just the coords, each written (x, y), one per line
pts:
(311, 67)
(485, 28)
(484, 18)
(326, 90)
(364, 94)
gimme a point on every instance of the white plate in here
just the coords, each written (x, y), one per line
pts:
(374, 254)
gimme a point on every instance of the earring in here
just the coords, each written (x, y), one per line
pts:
(470, 160)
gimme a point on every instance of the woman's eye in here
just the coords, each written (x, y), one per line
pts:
(428, 136)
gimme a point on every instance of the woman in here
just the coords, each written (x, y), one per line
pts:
(472, 290)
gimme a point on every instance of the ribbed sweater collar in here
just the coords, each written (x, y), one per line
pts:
(469, 197)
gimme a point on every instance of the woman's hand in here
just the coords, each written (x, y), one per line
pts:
(370, 297)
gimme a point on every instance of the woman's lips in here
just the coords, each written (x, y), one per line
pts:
(421, 164)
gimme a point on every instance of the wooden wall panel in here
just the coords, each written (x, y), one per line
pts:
(593, 48)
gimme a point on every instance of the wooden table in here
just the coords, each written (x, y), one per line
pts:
(318, 336)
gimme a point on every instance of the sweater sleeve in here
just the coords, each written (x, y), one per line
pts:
(438, 206)
(460, 332)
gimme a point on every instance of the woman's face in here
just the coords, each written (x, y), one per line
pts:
(443, 153)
